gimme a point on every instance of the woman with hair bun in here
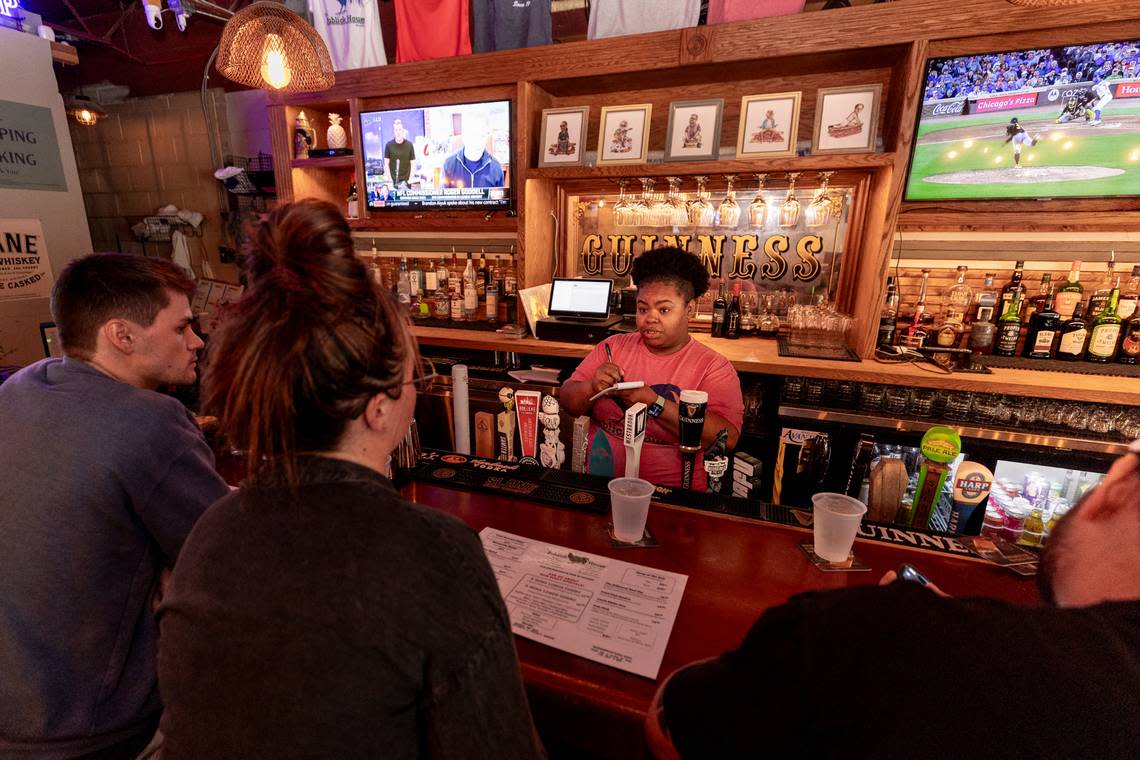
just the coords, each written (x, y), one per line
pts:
(315, 612)
(663, 354)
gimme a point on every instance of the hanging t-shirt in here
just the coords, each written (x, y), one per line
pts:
(695, 367)
(428, 29)
(509, 24)
(351, 29)
(725, 11)
(613, 18)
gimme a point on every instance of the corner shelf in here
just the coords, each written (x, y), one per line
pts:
(329, 162)
(733, 166)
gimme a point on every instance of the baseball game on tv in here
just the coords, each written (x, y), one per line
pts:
(454, 156)
(1058, 122)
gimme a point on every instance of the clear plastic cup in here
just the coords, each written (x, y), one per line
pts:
(629, 500)
(837, 518)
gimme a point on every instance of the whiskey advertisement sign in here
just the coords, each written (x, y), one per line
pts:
(25, 270)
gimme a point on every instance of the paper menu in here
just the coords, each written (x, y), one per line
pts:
(613, 612)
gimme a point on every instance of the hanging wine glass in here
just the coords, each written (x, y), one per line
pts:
(701, 212)
(758, 209)
(821, 208)
(622, 208)
(659, 210)
(678, 213)
(729, 210)
(790, 209)
(638, 207)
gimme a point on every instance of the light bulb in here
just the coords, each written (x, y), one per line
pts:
(275, 68)
(85, 117)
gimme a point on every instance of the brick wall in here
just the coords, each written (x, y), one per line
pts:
(147, 153)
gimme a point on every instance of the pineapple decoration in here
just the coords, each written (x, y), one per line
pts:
(336, 136)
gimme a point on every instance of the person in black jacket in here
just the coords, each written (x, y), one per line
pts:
(901, 671)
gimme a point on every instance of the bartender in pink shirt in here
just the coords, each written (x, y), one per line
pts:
(663, 354)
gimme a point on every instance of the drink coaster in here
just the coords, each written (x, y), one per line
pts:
(648, 540)
(852, 565)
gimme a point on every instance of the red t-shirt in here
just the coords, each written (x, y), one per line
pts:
(431, 29)
(694, 368)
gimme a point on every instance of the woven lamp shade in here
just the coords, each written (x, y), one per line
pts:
(266, 45)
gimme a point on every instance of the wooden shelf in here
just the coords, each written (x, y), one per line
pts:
(743, 167)
(757, 355)
(436, 219)
(328, 162)
(65, 54)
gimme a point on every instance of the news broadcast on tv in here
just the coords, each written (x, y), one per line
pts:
(1043, 123)
(454, 156)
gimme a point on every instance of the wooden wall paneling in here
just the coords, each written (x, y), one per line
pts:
(356, 142)
(281, 143)
(439, 96)
(535, 200)
(1033, 216)
(541, 252)
(848, 284)
(886, 197)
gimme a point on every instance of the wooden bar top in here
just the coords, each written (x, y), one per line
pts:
(760, 355)
(737, 568)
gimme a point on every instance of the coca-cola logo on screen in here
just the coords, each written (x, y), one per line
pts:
(947, 109)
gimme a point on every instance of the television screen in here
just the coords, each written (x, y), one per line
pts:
(454, 156)
(1060, 122)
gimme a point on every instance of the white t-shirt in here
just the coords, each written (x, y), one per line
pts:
(613, 18)
(351, 29)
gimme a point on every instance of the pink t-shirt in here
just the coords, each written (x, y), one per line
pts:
(694, 367)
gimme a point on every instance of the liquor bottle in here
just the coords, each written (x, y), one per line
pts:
(353, 200)
(416, 275)
(1037, 302)
(404, 284)
(1008, 289)
(455, 274)
(481, 275)
(374, 265)
(1069, 293)
(456, 306)
(1099, 299)
(982, 328)
(1044, 327)
(431, 280)
(732, 317)
(497, 273)
(720, 307)
(1105, 332)
(470, 292)
(1009, 327)
(492, 301)
(510, 277)
(1129, 352)
(1130, 297)
(441, 276)
(916, 333)
(958, 299)
(888, 316)
(1074, 335)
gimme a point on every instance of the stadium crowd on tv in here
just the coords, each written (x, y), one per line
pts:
(975, 75)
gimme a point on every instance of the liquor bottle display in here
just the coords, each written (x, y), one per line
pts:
(1069, 293)
(1044, 329)
(1009, 327)
(1074, 335)
(1105, 332)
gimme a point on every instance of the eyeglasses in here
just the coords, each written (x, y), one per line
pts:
(425, 376)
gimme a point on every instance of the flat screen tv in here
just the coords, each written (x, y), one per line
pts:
(1058, 122)
(446, 157)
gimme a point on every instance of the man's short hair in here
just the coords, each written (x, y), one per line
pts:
(103, 286)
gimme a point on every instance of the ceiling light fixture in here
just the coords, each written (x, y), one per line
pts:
(85, 110)
(268, 46)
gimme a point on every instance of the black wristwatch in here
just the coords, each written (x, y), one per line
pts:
(657, 407)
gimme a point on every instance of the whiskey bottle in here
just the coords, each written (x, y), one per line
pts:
(1069, 293)
(732, 318)
(720, 307)
(1008, 289)
(888, 317)
(1074, 335)
(1130, 296)
(1009, 327)
(1099, 299)
(1105, 333)
(470, 293)
(982, 327)
(1044, 328)
(1037, 302)
(1129, 352)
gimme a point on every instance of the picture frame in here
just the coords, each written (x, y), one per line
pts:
(846, 119)
(623, 134)
(694, 130)
(769, 125)
(553, 149)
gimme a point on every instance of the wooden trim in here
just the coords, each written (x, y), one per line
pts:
(64, 54)
(744, 166)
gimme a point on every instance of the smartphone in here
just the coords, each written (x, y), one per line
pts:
(909, 572)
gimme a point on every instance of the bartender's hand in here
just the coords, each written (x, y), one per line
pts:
(605, 376)
(644, 394)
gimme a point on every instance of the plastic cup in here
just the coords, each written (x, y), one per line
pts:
(629, 499)
(836, 521)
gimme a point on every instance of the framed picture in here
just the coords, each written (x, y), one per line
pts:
(768, 125)
(846, 119)
(563, 136)
(694, 130)
(623, 134)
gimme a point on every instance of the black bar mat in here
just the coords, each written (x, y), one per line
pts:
(477, 324)
(1052, 365)
(838, 353)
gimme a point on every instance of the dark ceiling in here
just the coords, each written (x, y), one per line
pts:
(115, 44)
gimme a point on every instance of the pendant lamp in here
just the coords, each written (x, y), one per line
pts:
(268, 46)
(85, 110)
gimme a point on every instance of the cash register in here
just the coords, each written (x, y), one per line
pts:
(579, 311)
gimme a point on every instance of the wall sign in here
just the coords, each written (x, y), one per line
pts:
(29, 150)
(25, 269)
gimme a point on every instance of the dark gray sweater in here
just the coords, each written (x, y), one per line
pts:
(100, 482)
(343, 623)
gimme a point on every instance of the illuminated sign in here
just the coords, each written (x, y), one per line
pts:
(9, 7)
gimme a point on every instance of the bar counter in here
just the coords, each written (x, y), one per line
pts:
(737, 568)
(761, 356)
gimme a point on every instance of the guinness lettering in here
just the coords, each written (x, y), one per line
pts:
(809, 267)
(621, 247)
(776, 266)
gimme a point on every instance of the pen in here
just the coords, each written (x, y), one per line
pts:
(610, 356)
